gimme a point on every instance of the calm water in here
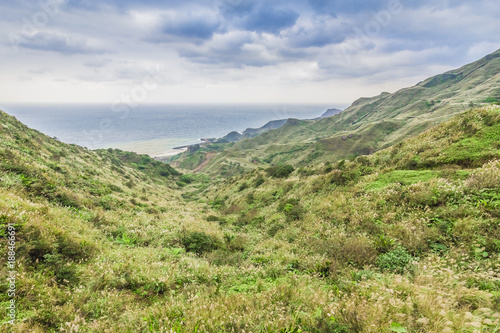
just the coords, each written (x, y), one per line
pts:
(151, 129)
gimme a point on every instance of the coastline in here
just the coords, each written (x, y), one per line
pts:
(160, 149)
(165, 156)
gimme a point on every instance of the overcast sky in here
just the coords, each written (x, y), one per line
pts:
(234, 51)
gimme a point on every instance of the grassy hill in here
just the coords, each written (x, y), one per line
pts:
(406, 239)
(368, 125)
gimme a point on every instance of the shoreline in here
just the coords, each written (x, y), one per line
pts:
(160, 149)
(163, 157)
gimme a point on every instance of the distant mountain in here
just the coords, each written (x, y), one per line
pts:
(369, 124)
(328, 113)
(231, 137)
(273, 124)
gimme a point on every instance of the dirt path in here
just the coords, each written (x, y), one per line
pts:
(208, 157)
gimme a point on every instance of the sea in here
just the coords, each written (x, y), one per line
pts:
(151, 129)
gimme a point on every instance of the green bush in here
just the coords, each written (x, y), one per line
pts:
(199, 242)
(212, 218)
(259, 181)
(115, 188)
(394, 261)
(243, 187)
(344, 177)
(292, 209)
(280, 171)
(188, 179)
(273, 230)
(358, 252)
(68, 200)
(384, 244)
(64, 271)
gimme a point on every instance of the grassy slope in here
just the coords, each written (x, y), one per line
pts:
(353, 225)
(369, 124)
(408, 236)
(91, 226)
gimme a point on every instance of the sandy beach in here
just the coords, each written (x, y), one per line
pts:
(160, 149)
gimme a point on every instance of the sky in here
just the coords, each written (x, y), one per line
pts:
(234, 51)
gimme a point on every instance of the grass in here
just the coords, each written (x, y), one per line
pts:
(381, 243)
(403, 177)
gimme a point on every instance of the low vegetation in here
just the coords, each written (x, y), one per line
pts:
(404, 240)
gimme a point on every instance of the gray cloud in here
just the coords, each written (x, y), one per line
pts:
(97, 63)
(202, 42)
(268, 18)
(59, 42)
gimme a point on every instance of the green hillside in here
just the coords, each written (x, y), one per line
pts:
(368, 125)
(404, 240)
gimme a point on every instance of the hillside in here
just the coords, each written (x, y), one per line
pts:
(368, 125)
(406, 239)
(274, 124)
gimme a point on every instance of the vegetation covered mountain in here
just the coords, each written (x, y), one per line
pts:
(404, 240)
(368, 125)
(270, 125)
(274, 124)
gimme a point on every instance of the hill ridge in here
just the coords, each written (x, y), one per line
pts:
(411, 110)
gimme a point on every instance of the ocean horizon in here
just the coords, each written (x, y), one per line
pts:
(152, 129)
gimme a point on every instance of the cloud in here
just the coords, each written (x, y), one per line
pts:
(219, 42)
(317, 31)
(234, 49)
(97, 63)
(193, 26)
(340, 7)
(268, 18)
(40, 71)
(59, 43)
(196, 28)
(236, 8)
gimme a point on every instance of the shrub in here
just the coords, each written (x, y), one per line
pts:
(115, 188)
(236, 243)
(384, 244)
(344, 177)
(328, 167)
(358, 252)
(273, 230)
(198, 242)
(123, 237)
(224, 257)
(292, 209)
(280, 171)
(259, 181)
(64, 272)
(243, 187)
(212, 218)
(188, 179)
(68, 200)
(394, 261)
(487, 177)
